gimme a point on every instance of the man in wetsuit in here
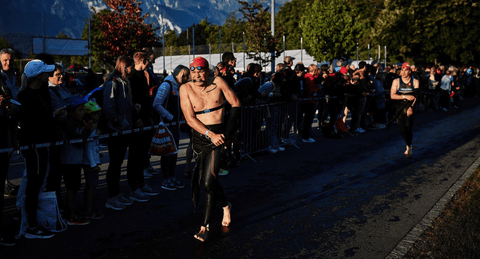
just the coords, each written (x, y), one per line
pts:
(202, 100)
(403, 91)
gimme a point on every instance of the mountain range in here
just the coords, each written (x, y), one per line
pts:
(22, 19)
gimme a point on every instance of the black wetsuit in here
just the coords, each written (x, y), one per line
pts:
(208, 160)
(405, 122)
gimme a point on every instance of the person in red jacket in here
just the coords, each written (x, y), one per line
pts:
(307, 107)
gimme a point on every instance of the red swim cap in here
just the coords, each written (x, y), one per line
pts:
(199, 62)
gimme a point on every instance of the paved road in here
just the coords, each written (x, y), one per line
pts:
(355, 197)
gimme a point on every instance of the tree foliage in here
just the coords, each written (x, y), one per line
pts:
(5, 44)
(330, 29)
(289, 18)
(418, 31)
(124, 30)
(430, 30)
(258, 34)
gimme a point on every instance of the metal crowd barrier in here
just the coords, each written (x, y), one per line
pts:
(72, 141)
(267, 125)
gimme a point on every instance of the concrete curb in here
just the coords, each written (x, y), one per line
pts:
(406, 243)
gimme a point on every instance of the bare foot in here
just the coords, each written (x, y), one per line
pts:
(409, 151)
(202, 234)
(226, 215)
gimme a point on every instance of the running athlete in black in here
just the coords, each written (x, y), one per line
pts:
(202, 101)
(404, 90)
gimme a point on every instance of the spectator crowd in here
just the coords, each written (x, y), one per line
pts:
(46, 102)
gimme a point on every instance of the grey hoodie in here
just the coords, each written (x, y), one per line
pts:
(117, 104)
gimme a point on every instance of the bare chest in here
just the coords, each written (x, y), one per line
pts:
(203, 99)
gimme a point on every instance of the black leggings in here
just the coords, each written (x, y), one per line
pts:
(406, 127)
(36, 162)
(213, 189)
(207, 168)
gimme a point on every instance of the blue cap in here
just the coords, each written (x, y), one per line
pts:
(36, 67)
(73, 101)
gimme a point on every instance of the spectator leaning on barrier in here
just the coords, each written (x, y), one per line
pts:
(8, 75)
(167, 104)
(378, 103)
(361, 94)
(271, 91)
(288, 61)
(433, 89)
(153, 79)
(58, 93)
(4, 158)
(138, 159)
(307, 107)
(231, 63)
(71, 155)
(446, 89)
(36, 120)
(351, 70)
(117, 107)
(9, 86)
(279, 67)
(91, 161)
(300, 73)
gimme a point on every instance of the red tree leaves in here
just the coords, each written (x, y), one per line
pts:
(124, 30)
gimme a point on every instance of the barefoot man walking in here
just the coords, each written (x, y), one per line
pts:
(202, 100)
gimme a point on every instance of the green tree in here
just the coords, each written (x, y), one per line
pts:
(258, 35)
(426, 31)
(289, 18)
(171, 38)
(330, 29)
(123, 29)
(367, 11)
(232, 29)
(5, 44)
(97, 38)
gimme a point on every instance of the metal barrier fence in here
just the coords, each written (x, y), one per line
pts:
(262, 126)
(267, 125)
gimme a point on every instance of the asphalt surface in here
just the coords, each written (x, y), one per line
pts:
(354, 197)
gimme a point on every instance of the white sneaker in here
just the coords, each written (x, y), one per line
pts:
(139, 196)
(114, 204)
(146, 174)
(147, 190)
(309, 140)
(123, 200)
(281, 149)
(359, 130)
(272, 150)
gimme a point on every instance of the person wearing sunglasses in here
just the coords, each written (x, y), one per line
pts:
(58, 92)
(202, 101)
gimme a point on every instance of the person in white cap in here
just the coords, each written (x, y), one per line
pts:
(36, 121)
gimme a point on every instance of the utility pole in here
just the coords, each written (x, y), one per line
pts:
(273, 34)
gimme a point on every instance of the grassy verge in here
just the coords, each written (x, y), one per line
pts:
(456, 232)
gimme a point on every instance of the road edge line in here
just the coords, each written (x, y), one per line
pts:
(406, 243)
